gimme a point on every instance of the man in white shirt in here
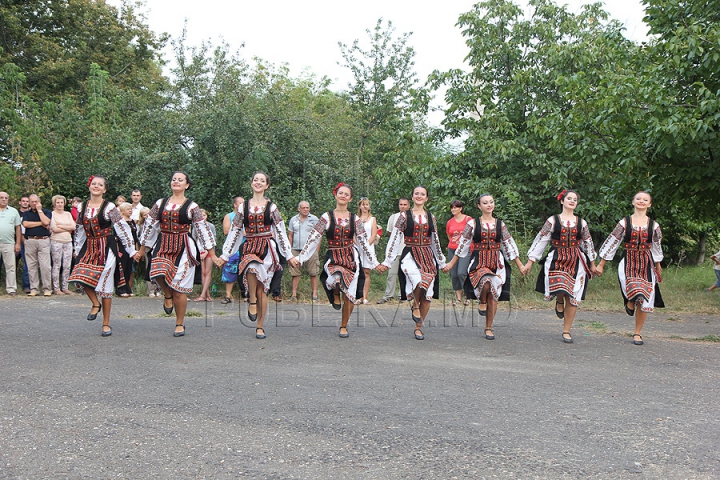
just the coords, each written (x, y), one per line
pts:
(9, 241)
(136, 196)
(403, 206)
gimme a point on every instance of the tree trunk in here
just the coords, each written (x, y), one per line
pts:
(701, 248)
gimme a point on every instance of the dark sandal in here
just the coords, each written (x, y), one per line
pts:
(482, 312)
(105, 333)
(226, 300)
(346, 334)
(338, 305)
(558, 312)
(168, 310)
(491, 336)
(179, 334)
(412, 314)
(630, 311)
(638, 342)
(419, 336)
(92, 316)
(258, 335)
(253, 316)
(567, 339)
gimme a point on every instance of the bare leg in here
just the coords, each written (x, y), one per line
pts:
(560, 304)
(180, 301)
(262, 305)
(252, 283)
(93, 298)
(229, 289)
(295, 283)
(640, 317)
(107, 305)
(314, 285)
(206, 278)
(570, 311)
(366, 287)
(492, 306)
(347, 310)
(166, 290)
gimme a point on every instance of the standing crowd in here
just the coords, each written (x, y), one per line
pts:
(98, 244)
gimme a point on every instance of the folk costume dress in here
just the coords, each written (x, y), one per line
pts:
(492, 249)
(348, 253)
(175, 254)
(263, 230)
(566, 267)
(422, 256)
(636, 272)
(96, 249)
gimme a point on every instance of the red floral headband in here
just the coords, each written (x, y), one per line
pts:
(335, 190)
(561, 195)
(90, 179)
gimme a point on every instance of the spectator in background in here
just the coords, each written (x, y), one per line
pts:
(10, 241)
(454, 228)
(120, 200)
(36, 221)
(62, 228)
(715, 258)
(370, 224)
(299, 227)
(24, 204)
(205, 261)
(153, 290)
(126, 260)
(76, 203)
(403, 206)
(229, 270)
(136, 196)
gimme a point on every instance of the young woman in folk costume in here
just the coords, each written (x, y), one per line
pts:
(175, 254)
(258, 220)
(96, 250)
(420, 259)
(489, 271)
(570, 262)
(343, 272)
(639, 270)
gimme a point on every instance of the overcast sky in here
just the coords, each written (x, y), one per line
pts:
(305, 34)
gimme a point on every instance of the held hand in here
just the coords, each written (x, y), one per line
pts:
(599, 270)
(381, 268)
(219, 262)
(137, 256)
(446, 268)
(294, 262)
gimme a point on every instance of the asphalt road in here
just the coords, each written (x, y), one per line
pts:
(304, 403)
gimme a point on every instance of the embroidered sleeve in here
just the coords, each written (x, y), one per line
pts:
(201, 230)
(278, 225)
(656, 248)
(122, 229)
(466, 238)
(363, 243)
(239, 216)
(435, 244)
(80, 236)
(508, 245)
(151, 228)
(234, 239)
(314, 238)
(396, 240)
(542, 239)
(612, 243)
(586, 242)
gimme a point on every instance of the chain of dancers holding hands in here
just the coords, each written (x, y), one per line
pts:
(258, 234)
